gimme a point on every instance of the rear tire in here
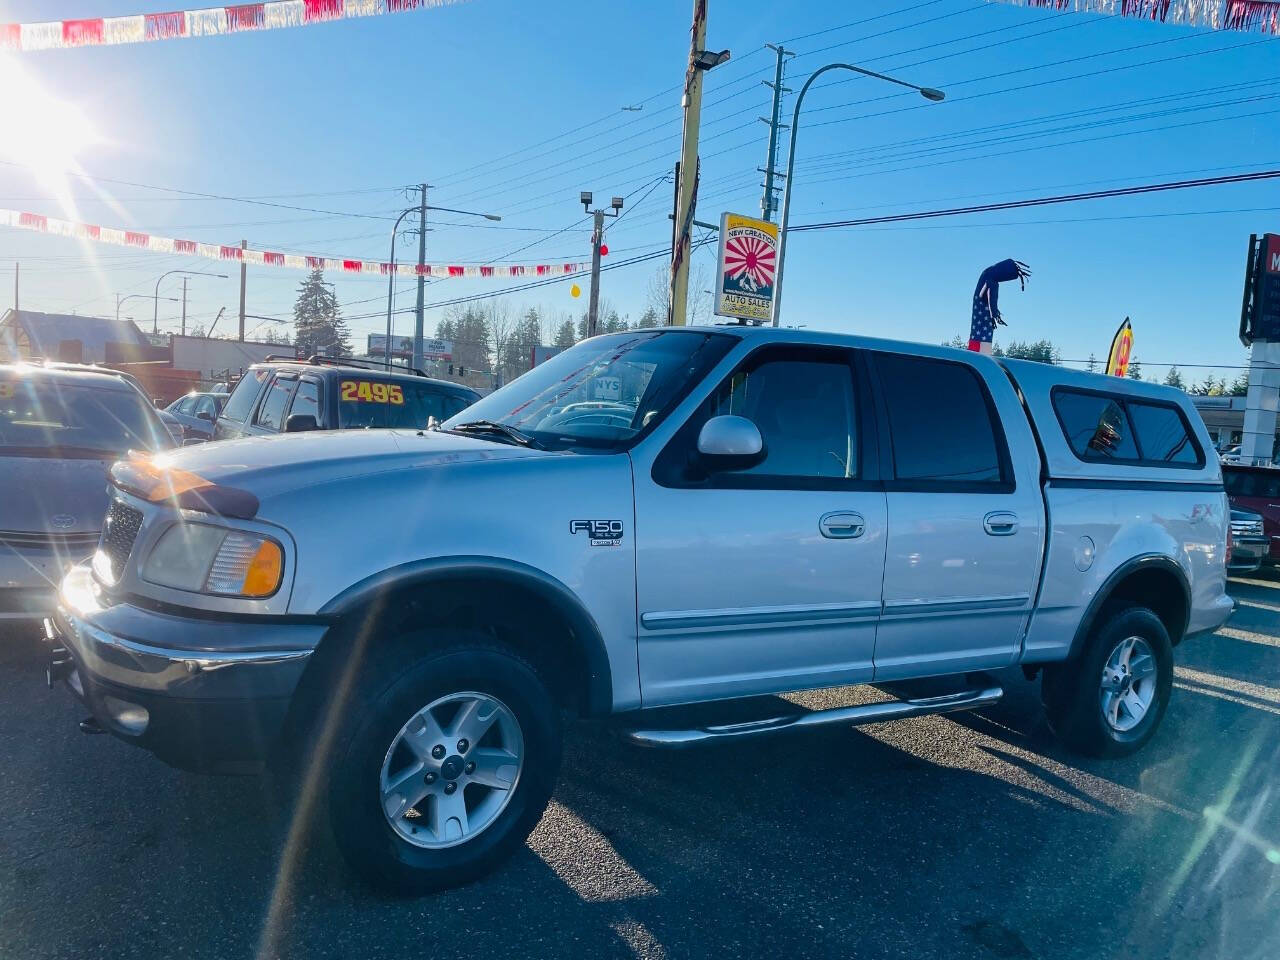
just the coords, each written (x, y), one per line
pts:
(445, 765)
(1109, 701)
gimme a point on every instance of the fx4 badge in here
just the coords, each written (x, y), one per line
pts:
(603, 533)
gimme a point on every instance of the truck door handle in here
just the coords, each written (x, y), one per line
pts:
(1000, 523)
(842, 525)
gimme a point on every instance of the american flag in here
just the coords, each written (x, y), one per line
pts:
(986, 301)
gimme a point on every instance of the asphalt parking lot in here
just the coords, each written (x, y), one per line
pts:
(973, 835)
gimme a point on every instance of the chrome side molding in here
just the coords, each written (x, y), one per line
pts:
(676, 739)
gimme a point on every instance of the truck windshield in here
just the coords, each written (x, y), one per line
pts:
(48, 417)
(604, 392)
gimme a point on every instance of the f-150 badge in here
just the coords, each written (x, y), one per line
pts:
(603, 533)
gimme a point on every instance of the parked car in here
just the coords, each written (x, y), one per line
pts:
(781, 510)
(197, 413)
(285, 395)
(1257, 489)
(61, 428)
(1250, 546)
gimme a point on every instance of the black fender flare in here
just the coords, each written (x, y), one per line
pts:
(1151, 561)
(586, 638)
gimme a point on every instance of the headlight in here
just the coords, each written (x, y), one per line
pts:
(206, 559)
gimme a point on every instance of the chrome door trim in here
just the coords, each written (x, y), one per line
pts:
(905, 609)
(760, 616)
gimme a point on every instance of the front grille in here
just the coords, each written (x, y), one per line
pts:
(57, 542)
(118, 533)
(1246, 528)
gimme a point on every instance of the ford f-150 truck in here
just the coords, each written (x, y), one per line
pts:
(650, 519)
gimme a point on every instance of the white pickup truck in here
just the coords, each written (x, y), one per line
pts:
(650, 519)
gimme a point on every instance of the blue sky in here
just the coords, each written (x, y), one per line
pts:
(338, 116)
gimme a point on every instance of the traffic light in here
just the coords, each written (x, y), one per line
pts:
(451, 369)
(462, 371)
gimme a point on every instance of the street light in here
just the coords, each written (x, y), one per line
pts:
(421, 208)
(929, 93)
(155, 313)
(120, 301)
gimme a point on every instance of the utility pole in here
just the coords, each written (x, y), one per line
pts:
(418, 319)
(768, 202)
(700, 60)
(597, 239)
(184, 306)
(244, 245)
(17, 269)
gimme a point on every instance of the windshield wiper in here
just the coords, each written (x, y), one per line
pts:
(493, 427)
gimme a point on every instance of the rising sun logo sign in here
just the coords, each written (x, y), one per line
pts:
(748, 264)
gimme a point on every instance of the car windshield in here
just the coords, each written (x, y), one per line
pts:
(49, 417)
(602, 393)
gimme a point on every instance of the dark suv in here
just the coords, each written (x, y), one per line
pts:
(323, 393)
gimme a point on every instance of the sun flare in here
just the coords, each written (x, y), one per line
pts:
(40, 132)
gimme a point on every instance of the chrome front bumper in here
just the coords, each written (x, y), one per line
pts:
(211, 691)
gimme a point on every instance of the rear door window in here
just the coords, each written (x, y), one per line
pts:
(271, 413)
(241, 400)
(942, 425)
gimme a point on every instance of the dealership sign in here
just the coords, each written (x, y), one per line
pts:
(747, 266)
(403, 347)
(1260, 313)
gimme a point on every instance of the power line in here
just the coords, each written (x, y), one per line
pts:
(202, 196)
(1047, 201)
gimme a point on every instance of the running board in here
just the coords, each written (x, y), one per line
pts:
(853, 716)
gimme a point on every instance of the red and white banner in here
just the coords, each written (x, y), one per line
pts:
(91, 233)
(1246, 16)
(206, 22)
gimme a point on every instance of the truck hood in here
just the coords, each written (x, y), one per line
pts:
(49, 495)
(269, 466)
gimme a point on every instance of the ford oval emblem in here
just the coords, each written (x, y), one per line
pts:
(63, 521)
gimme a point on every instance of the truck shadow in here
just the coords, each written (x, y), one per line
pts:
(966, 835)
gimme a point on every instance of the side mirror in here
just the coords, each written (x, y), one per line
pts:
(300, 422)
(730, 443)
(204, 415)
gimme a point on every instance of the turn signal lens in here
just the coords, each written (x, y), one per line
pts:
(246, 566)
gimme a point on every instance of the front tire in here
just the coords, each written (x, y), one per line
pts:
(1110, 700)
(445, 766)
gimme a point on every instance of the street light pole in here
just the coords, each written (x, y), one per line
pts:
(421, 209)
(391, 283)
(155, 313)
(929, 93)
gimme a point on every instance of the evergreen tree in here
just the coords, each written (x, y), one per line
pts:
(1135, 369)
(318, 325)
(648, 319)
(1092, 365)
(1174, 379)
(566, 337)
(1239, 386)
(469, 334)
(1040, 350)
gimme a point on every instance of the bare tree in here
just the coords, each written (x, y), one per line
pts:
(697, 307)
(497, 317)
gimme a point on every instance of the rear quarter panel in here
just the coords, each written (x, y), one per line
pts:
(1102, 515)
